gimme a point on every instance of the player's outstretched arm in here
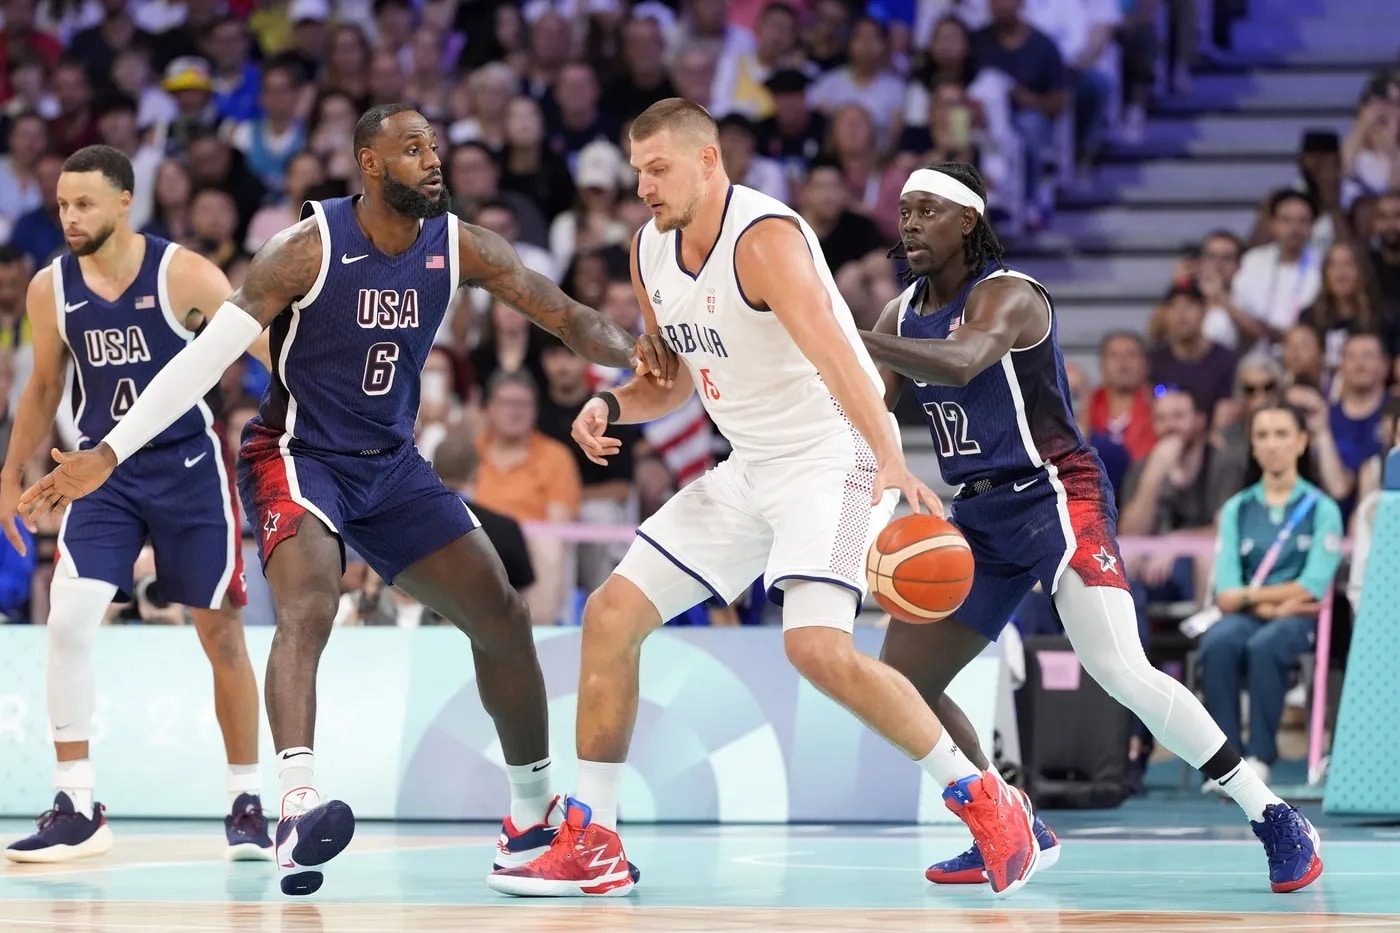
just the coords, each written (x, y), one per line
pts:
(1002, 314)
(200, 287)
(39, 401)
(894, 382)
(774, 266)
(283, 270)
(487, 260)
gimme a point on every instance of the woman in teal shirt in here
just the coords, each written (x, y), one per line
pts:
(1279, 548)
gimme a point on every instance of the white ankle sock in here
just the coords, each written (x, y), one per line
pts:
(598, 783)
(77, 779)
(529, 793)
(1244, 787)
(947, 764)
(297, 768)
(242, 779)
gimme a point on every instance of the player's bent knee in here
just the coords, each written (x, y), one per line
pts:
(618, 611)
(221, 634)
(307, 615)
(76, 610)
(824, 656)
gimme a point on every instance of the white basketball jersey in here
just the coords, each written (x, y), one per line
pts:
(759, 389)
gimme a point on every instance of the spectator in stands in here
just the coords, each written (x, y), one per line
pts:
(865, 80)
(237, 79)
(488, 91)
(1278, 280)
(508, 343)
(1120, 410)
(309, 35)
(1353, 420)
(827, 34)
(19, 40)
(170, 211)
(304, 172)
(427, 87)
(1269, 617)
(851, 145)
(117, 127)
(528, 167)
(190, 83)
(742, 75)
(440, 408)
(75, 126)
(593, 221)
(531, 478)
(1169, 494)
(576, 120)
(949, 59)
(214, 228)
(1386, 256)
(1302, 359)
(132, 76)
(851, 244)
(7, 389)
(1320, 178)
(1038, 94)
(36, 232)
(331, 129)
(794, 134)
(693, 73)
(270, 139)
(1187, 358)
(31, 90)
(1259, 381)
(19, 184)
(1349, 302)
(473, 177)
(1214, 273)
(215, 164)
(644, 79)
(1371, 152)
(456, 461)
(738, 142)
(1083, 33)
(97, 46)
(500, 218)
(607, 488)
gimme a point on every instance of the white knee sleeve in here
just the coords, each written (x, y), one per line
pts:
(76, 608)
(816, 603)
(1101, 623)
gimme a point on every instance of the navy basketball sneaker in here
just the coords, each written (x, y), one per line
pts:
(516, 846)
(246, 829)
(1292, 845)
(62, 834)
(309, 835)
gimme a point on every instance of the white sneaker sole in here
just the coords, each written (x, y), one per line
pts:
(249, 852)
(539, 887)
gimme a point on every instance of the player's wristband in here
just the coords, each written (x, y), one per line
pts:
(182, 382)
(614, 409)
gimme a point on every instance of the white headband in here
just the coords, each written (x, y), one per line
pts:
(944, 186)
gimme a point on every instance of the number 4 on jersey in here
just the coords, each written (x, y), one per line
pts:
(123, 398)
(949, 422)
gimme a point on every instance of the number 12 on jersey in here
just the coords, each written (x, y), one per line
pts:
(949, 422)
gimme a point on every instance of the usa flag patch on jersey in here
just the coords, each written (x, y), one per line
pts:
(434, 262)
(145, 301)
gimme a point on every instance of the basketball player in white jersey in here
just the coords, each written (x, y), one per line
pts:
(735, 283)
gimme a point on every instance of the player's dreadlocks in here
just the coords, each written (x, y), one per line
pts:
(981, 246)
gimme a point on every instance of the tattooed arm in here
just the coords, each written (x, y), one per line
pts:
(282, 271)
(488, 261)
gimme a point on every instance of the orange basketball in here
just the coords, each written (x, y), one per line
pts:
(919, 568)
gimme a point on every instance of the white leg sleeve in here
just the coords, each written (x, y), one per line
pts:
(76, 608)
(1102, 625)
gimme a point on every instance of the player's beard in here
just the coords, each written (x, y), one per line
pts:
(95, 242)
(681, 220)
(409, 201)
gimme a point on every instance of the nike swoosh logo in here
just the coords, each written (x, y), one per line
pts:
(67, 307)
(1017, 487)
(540, 767)
(286, 755)
(346, 258)
(191, 461)
(1229, 779)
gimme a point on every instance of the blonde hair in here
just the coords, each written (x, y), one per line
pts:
(678, 115)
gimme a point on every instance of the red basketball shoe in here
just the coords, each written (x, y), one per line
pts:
(1001, 822)
(583, 861)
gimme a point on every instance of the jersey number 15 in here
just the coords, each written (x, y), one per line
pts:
(949, 422)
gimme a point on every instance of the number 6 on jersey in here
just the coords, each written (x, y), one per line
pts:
(379, 368)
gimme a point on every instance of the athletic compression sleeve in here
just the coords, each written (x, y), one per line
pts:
(185, 379)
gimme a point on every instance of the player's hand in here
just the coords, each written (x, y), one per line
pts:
(588, 432)
(78, 473)
(9, 507)
(896, 475)
(1156, 569)
(652, 356)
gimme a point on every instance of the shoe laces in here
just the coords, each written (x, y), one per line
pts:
(250, 821)
(51, 818)
(1285, 840)
(992, 837)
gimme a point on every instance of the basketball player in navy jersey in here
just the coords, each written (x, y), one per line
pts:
(978, 342)
(354, 294)
(122, 305)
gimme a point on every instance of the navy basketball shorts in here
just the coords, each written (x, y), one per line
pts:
(390, 507)
(181, 498)
(1030, 531)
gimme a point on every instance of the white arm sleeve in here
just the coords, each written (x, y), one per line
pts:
(185, 379)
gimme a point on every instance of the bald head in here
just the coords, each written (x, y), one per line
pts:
(681, 117)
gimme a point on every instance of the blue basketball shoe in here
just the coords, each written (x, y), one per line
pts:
(516, 847)
(969, 868)
(309, 835)
(63, 834)
(1293, 846)
(246, 829)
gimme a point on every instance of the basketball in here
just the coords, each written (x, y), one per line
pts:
(919, 568)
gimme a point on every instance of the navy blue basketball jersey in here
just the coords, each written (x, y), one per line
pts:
(119, 346)
(1014, 417)
(348, 355)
